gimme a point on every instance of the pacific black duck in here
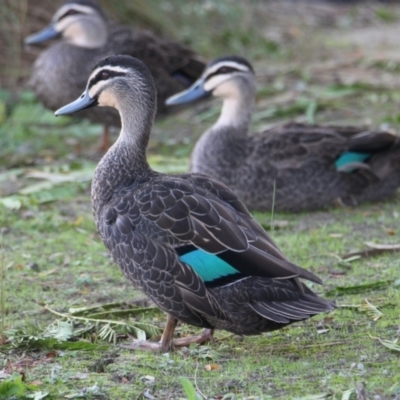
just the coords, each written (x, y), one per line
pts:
(306, 167)
(60, 72)
(186, 241)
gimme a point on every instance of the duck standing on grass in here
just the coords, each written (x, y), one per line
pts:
(305, 167)
(60, 72)
(186, 241)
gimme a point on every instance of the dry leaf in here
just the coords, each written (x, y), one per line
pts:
(212, 367)
(36, 383)
(79, 376)
(373, 250)
(78, 221)
(384, 246)
(371, 310)
(148, 378)
(390, 344)
(49, 272)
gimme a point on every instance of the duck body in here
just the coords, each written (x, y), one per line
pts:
(293, 166)
(153, 256)
(60, 71)
(296, 167)
(186, 241)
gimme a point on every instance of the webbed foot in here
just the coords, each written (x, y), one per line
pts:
(167, 343)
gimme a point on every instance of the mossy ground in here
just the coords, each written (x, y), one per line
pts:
(53, 256)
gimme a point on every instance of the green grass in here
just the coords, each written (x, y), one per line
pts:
(73, 270)
(54, 260)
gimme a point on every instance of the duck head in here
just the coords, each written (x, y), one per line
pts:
(223, 77)
(121, 82)
(79, 22)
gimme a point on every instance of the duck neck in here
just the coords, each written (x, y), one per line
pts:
(237, 106)
(136, 124)
(125, 163)
(228, 136)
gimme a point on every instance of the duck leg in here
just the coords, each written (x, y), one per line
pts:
(167, 342)
(104, 143)
(206, 335)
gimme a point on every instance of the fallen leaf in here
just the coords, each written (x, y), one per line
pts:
(49, 272)
(390, 344)
(383, 246)
(78, 221)
(37, 395)
(374, 249)
(55, 255)
(148, 378)
(212, 367)
(36, 383)
(79, 376)
(341, 290)
(4, 375)
(371, 310)
(335, 235)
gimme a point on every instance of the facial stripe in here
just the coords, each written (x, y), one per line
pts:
(95, 88)
(100, 77)
(108, 68)
(66, 9)
(229, 64)
(213, 81)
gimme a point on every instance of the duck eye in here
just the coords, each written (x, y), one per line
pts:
(71, 12)
(104, 75)
(223, 70)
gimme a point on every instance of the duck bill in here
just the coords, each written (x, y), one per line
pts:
(83, 102)
(195, 92)
(45, 34)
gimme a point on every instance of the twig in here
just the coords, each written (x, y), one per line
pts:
(195, 382)
(105, 321)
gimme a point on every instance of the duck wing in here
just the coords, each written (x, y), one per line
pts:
(148, 229)
(198, 211)
(294, 144)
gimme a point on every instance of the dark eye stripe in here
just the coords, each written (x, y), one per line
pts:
(105, 75)
(223, 70)
(69, 13)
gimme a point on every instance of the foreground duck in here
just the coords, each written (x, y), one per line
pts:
(60, 72)
(306, 167)
(186, 241)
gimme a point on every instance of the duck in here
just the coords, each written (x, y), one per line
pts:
(290, 167)
(186, 241)
(85, 36)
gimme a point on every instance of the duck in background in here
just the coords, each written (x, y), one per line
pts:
(59, 73)
(187, 241)
(296, 167)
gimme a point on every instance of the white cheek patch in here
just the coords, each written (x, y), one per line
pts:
(107, 99)
(96, 88)
(215, 81)
(61, 26)
(228, 89)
